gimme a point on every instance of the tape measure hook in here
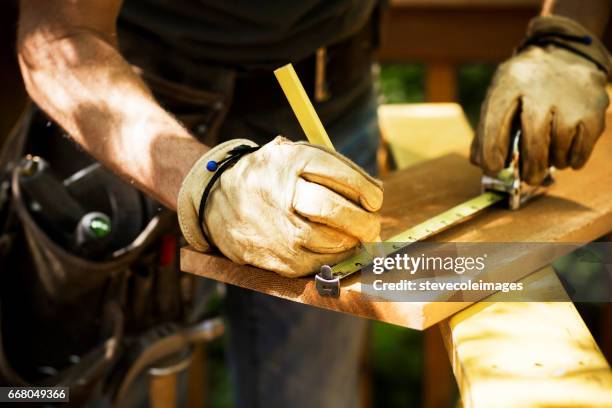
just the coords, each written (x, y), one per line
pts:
(326, 283)
(509, 181)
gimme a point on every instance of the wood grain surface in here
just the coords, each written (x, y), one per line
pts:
(527, 354)
(445, 120)
(578, 208)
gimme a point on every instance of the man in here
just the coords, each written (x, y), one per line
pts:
(283, 206)
(286, 207)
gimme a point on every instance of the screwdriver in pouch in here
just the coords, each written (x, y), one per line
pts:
(58, 213)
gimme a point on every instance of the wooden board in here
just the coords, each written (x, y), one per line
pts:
(578, 208)
(527, 354)
(408, 128)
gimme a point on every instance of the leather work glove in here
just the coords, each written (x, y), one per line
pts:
(287, 207)
(556, 82)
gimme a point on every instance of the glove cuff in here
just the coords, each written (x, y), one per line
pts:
(192, 189)
(566, 33)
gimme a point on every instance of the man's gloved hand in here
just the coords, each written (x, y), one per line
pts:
(560, 94)
(287, 207)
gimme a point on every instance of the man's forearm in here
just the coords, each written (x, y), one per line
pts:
(592, 14)
(83, 83)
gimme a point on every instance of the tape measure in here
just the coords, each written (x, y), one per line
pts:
(419, 232)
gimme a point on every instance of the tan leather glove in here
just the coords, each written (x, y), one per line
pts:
(287, 207)
(560, 94)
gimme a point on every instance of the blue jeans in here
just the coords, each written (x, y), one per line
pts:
(286, 354)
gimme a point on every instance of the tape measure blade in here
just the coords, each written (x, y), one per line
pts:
(419, 232)
(448, 218)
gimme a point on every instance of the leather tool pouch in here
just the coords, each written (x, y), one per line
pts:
(62, 314)
(63, 317)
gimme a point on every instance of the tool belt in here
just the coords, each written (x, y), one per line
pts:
(67, 319)
(205, 92)
(327, 72)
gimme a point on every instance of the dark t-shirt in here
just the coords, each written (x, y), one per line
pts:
(244, 33)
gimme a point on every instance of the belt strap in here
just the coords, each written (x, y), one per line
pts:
(327, 71)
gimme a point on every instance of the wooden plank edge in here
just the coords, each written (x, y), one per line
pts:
(585, 383)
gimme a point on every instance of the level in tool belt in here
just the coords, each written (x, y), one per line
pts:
(507, 185)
